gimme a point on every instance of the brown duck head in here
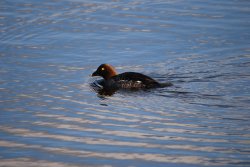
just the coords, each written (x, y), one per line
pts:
(105, 70)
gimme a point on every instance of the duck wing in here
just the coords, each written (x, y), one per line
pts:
(136, 79)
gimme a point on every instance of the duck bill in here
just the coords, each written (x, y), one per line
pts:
(95, 74)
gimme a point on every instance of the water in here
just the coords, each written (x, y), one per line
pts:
(51, 117)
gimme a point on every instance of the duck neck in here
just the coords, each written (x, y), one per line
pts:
(110, 75)
(110, 72)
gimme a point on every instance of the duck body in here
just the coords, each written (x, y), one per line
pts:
(128, 80)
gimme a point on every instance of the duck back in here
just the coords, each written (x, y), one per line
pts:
(134, 80)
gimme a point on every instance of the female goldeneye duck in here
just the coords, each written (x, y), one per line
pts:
(128, 80)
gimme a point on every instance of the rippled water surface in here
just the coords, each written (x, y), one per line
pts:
(50, 116)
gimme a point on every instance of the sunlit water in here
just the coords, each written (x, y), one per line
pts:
(50, 116)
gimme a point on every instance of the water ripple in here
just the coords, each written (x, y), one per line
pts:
(49, 116)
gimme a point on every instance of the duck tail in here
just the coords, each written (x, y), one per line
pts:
(166, 84)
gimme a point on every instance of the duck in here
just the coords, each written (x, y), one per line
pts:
(127, 80)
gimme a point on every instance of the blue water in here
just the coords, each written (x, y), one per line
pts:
(50, 116)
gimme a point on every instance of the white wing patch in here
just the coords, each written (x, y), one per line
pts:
(128, 84)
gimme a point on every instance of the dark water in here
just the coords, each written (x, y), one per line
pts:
(49, 116)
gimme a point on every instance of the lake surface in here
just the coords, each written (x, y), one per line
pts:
(50, 116)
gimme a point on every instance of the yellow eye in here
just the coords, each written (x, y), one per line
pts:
(103, 69)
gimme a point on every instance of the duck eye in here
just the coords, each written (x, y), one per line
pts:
(103, 69)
